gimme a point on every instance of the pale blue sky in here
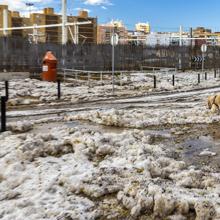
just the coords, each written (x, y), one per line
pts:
(163, 15)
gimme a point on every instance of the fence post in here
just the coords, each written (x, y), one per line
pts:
(121, 79)
(3, 113)
(206, 76)
(58, 89)
(101, 77)
(173, 79)
(6, 90)
(214, 73)
(155, 82)
(199, 79)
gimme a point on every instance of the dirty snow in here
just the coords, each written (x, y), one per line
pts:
(70, 173)
(35, 92)
(82, 173)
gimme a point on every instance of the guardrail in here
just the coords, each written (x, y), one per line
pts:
(103, 75)
(163, 69)
(87, 75)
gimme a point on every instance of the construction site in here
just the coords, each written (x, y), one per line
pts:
(106, 131)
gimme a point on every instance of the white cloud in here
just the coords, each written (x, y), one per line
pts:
(20, 5)
(97, 2)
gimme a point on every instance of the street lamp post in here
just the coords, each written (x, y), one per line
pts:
(113, 42)
(113, 59)
(29, 5)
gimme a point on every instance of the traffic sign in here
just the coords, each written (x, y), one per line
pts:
(114, 39)
(204, 48)
(13, 75)
(198, 59)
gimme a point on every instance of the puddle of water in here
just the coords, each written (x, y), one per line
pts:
(189, 143)
(201, 138)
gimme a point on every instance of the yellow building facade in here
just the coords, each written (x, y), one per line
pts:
(85, 33)
(143, 27)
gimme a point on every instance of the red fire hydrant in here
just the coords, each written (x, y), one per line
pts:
(49, 67)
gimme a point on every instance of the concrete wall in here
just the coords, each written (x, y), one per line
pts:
(19, 54)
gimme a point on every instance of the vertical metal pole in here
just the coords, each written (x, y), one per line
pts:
(155, 82)
(215, 74)
(6, 90)
(3, 113)
(206, 76)
(113, 60)
(199, 79)
(58, 89)
(173, 79)
(191, 45)
(203, 61)
(180, 46)
(64, 21)
(5, 21)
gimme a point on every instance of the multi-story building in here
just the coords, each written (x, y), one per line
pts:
(211, 38)
(86, 33)
(139, 36)
(167, 39)
(201, 32)
(16, 21)
(52, 34)
(105, 32)
(143, 27)
(136, 38)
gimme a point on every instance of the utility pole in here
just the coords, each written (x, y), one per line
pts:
(5, 21)
(180, 47)
(64, 31)
(113, 57)
(64, 21)
(191, 46)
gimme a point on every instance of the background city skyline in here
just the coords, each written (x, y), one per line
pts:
(163, 15)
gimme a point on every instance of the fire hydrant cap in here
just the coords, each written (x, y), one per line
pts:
(49, 56)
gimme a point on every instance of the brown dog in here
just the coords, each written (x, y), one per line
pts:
(214, 103)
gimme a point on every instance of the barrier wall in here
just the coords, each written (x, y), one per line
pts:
(18, 54)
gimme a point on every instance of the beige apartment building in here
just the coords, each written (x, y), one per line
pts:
(77, 34)
(105, 32)
(143, 27)
(201, 32)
